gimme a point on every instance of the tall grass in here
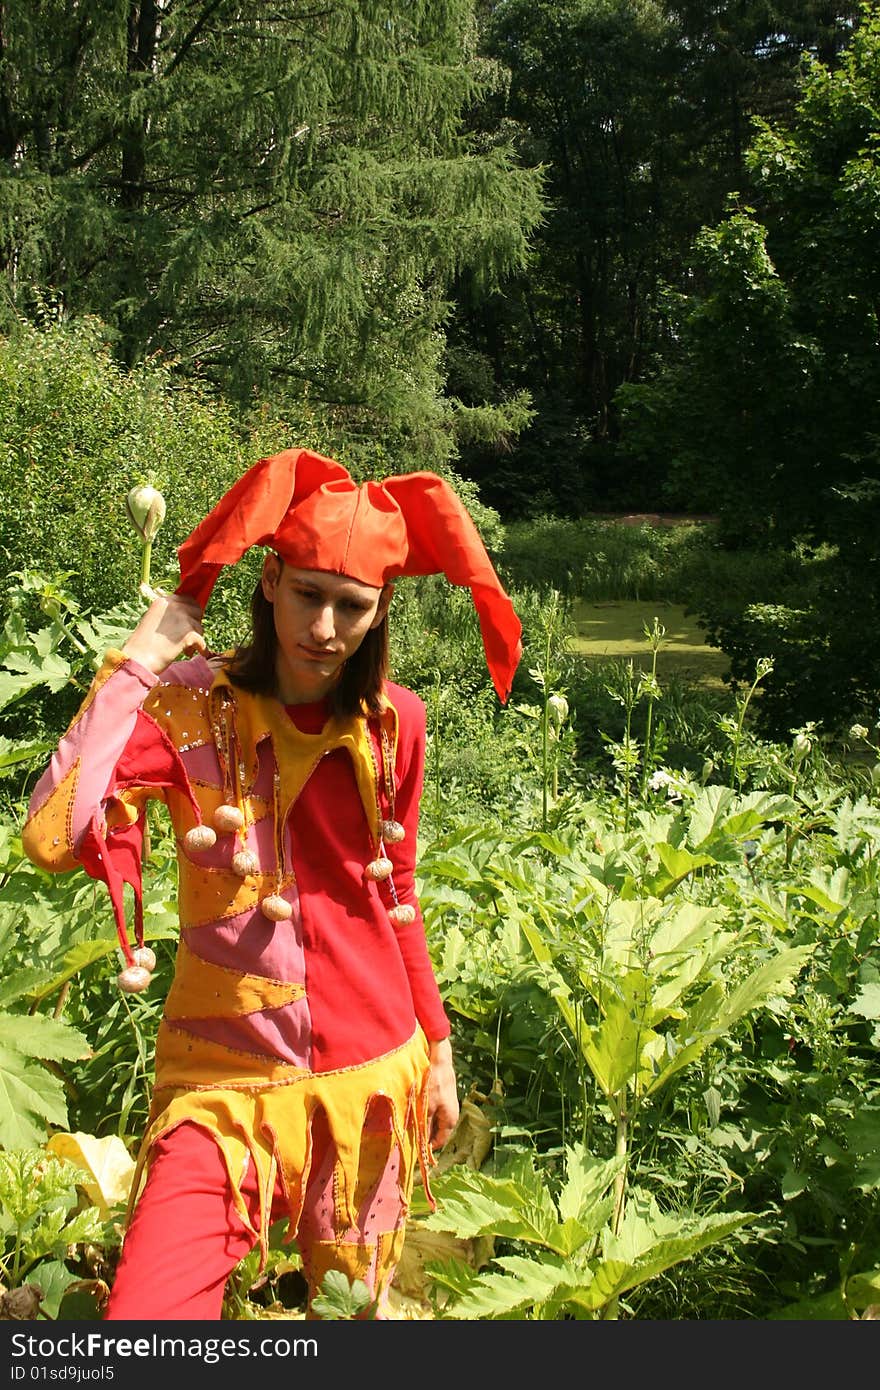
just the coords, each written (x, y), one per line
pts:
(593, 558)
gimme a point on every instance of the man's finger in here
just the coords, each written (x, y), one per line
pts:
(148, 592)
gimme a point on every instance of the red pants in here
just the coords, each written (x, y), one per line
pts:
(185, 1236)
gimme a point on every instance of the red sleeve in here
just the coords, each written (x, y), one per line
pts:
(409, 779)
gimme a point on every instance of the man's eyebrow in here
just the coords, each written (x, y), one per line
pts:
(316, 585)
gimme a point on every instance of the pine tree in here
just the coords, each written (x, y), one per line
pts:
(275, 196)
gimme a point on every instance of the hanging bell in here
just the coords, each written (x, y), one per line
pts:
(227, 819)
(276, 908)
(393, 832)
(402, 914)
(244, 862)
(133, 979)
(145, 958)
(200, 837)
(378, 869)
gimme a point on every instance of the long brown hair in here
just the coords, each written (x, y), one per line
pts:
(360, 684)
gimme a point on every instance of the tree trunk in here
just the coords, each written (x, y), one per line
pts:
(144, 28)
(9, 133)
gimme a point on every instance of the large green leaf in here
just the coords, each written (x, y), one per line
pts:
(11, 754)
(719, 812)
(21, 672)
(867, 1002)
(19, 983)
(47, 1038)
(524, 1284)
(651, 1241)
(473, 1204)
(676, 865)
(828, 890)
(551, 979)
(587, 1180)
(31, 1100)
(613, 1049)
(775, 976)
(827, 1307)
(53, 1279)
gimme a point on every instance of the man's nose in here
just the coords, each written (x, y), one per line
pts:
(324, 624)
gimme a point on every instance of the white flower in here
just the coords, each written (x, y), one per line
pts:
(659, 779)
(858, 731)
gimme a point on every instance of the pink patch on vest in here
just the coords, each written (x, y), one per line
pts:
(253, 945)
(284, 1034)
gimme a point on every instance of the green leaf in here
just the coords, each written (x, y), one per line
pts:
(74, 960)
(651, 1241)
(719, 812)
(677, 864)
(863, 1289)
(524, 1284)
(830, 891)
(867, 1002)
(340, 1299)
(827, 1307)
(11, 754)
(46, 1038)
(52, 1278)
(25, 674)
(474, 1204)
(31, 1100)
(613, 1049)
(26, 981)
(587, 1181)
(776, 976)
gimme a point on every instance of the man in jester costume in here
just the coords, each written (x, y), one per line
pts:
(303, 1066)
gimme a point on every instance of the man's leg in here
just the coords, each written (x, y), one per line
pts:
(185, 1235)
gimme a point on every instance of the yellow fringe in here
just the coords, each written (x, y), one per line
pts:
(270, 1125)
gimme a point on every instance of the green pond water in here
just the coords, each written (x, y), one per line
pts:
(614, 630)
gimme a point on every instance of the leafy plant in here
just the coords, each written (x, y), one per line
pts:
(577, 1261)
(41, 1219)
(341, 1299)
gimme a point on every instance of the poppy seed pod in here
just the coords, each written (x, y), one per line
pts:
(378, 869)
(133, 979)
(393, 832)
(145, 958)
(228, 818)
(244, 862)
(200, 837)
(145, 506)
(402, 914)
(276, 908)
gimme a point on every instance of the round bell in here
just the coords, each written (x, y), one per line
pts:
(244, 862)
(133, 979)
(276, 908)
(199, 838)
(393, 832)
(228, 819)
(145, 958)
(402, 914)
(378, 869)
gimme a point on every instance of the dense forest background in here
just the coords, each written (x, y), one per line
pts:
(589, 255)
(592, 260)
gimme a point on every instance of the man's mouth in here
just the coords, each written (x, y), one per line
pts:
(318, 653)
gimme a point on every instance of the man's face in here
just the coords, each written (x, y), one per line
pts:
(320, 621)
